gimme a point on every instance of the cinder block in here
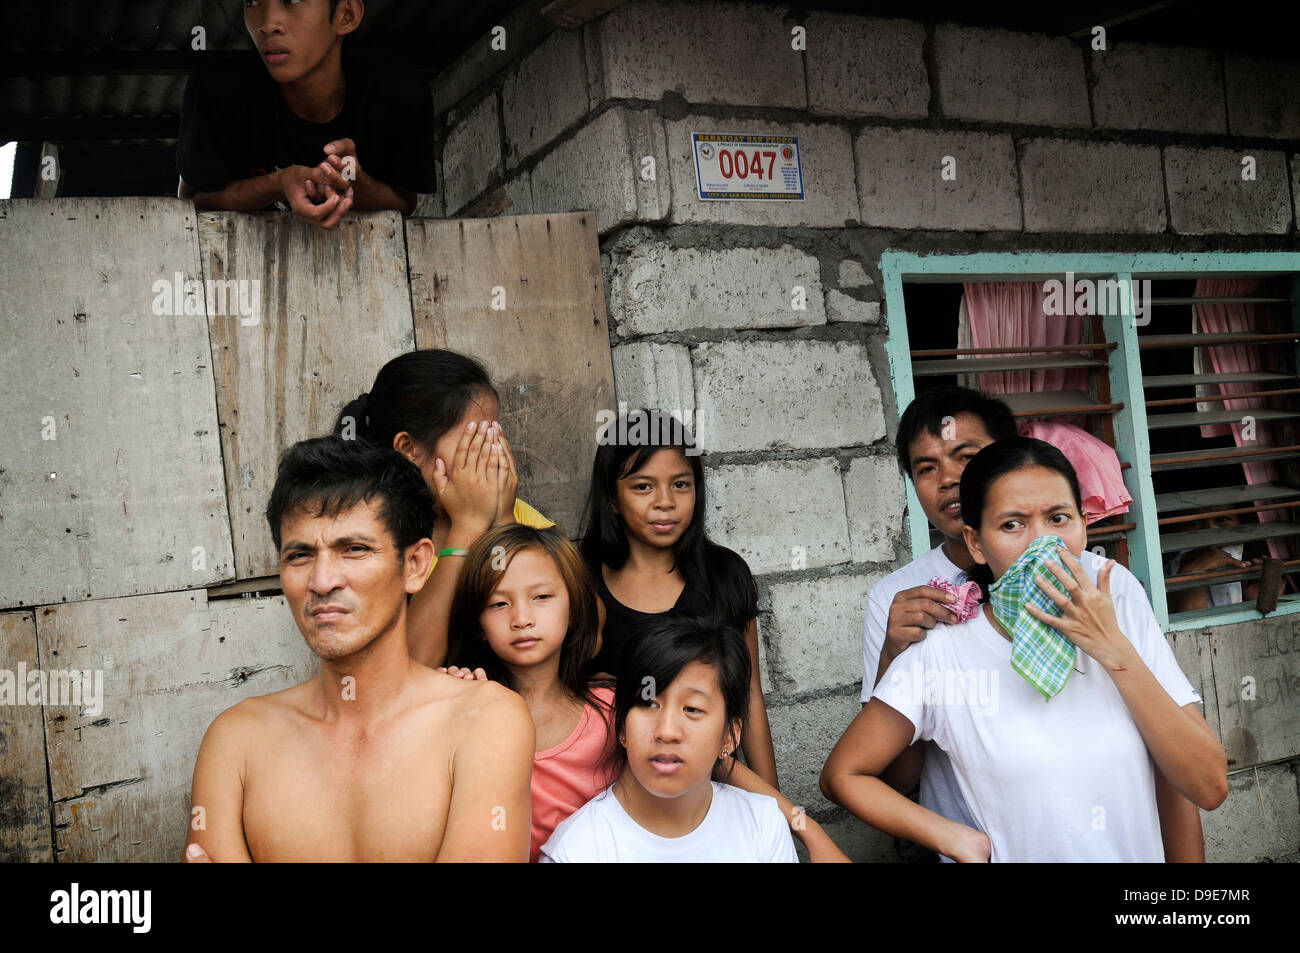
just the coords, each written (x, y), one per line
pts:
(655, 377)
(770, 395)
(853, 275)
(471, 159)
(826, 156)
(840, 308)
(1074, 186)
(901, 181)
(1141, 86)
(780, 515)
(545, 95)
(1207, 194)
(803, 735)
(815, 639)
(1262, 99)
(656, 288)
(601, 168)
(999, 76)
(873, 494)
(1260, 820)
(724, 53)
(864, 66)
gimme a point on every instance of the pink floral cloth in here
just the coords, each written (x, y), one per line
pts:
(968, 597)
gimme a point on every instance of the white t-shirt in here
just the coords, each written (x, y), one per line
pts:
(1066, 779)
(939, 789)
(740, 827)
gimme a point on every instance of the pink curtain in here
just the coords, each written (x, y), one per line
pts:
(1010, 314)
(1234, 358)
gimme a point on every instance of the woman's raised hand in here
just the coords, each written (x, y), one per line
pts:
(507, 482)
(1087, 613)
(468, 492)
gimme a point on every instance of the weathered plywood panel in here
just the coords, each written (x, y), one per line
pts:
(24, 797)
(1195, 656)
(110, 466)
(333, 307)
(547, 349)
(171, 663)
(1257, 675)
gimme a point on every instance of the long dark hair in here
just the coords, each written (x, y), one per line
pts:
(717, 572)
(485, 564)
(656, 655)
(996, 460)
(424, 393)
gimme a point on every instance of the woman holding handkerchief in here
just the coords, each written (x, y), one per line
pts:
(1059, 701)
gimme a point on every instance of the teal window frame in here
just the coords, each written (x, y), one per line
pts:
(1132, 445)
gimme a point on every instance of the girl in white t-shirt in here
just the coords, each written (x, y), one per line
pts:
(1052, 719)
(678, 711)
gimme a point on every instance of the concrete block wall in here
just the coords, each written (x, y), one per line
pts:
(762, 321)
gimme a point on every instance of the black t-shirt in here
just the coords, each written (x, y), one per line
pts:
(235, 125)
(621, 622)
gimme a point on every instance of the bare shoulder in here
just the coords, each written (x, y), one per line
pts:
(493, 702)
(256, 716)
(460, 699)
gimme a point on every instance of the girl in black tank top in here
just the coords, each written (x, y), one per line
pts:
(644, 531)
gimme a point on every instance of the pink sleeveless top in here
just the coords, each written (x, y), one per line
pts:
(573, 772)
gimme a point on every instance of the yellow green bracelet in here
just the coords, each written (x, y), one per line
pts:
(449, 551)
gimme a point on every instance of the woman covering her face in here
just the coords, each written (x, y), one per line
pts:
(1058, 701)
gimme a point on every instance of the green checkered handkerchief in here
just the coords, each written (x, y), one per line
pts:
(1038, 652)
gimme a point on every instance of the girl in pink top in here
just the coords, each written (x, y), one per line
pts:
(525, 614)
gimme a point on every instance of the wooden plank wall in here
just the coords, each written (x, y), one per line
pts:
(162, 419)
(121, 778)
(117, 502)
(547, 349)
(1258, 682)
(332, 310)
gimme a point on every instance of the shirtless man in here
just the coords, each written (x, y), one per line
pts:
(377, 758)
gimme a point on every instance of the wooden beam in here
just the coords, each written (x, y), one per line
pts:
(986, 365)
(26, 835)
(574, 13)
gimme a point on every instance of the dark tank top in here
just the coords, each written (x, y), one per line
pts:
(621, 622)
